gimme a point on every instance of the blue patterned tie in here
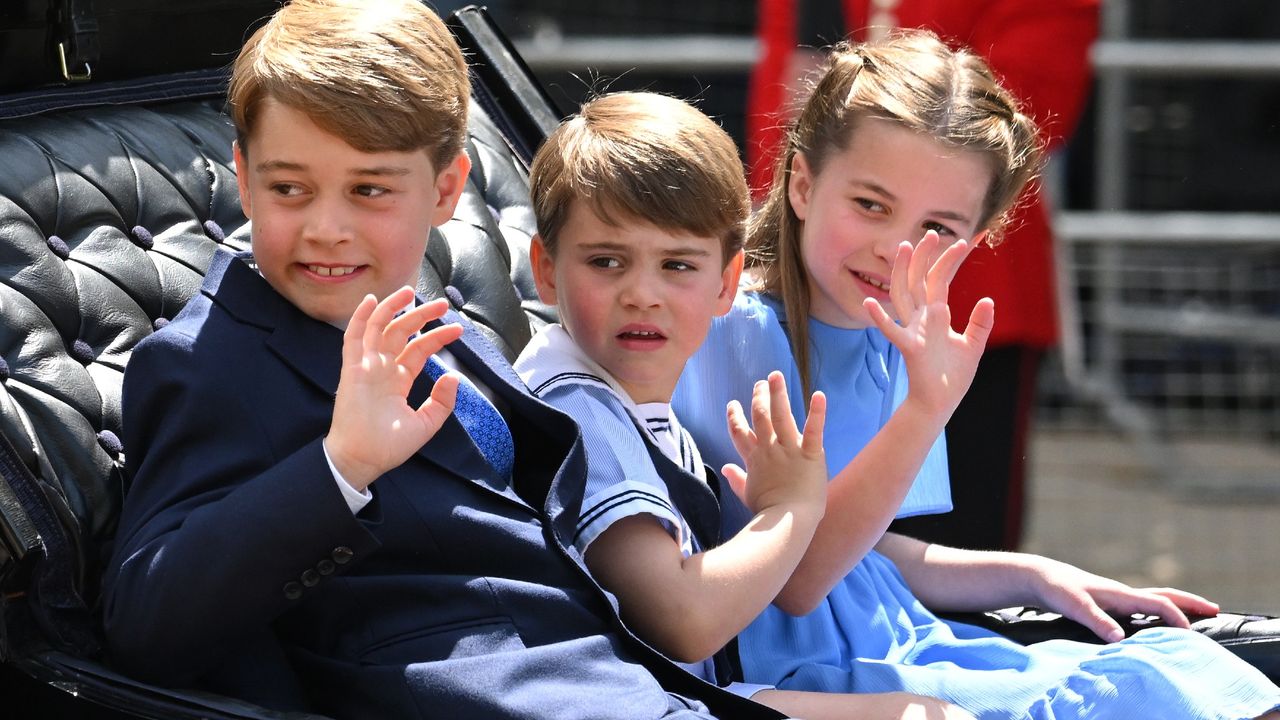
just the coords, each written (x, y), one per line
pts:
(482, 422)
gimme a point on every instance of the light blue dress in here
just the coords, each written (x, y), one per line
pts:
(872, 635)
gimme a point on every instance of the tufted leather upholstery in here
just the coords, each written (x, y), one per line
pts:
(108, 219)
(109, 216)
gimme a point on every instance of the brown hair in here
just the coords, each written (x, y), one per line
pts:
(645, 156)
(913, 79)
(383, 75)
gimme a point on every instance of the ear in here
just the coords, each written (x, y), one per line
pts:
(449, 185)
(729, 278)
(242, 178)
(544, 270)
(799, 185)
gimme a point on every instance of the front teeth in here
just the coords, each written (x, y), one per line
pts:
(872, 282)
(331, 271)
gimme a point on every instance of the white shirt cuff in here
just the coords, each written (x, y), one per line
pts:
(356, 499)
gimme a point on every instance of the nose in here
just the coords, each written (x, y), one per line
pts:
(639, 290)
(886, 242)
(328, 221)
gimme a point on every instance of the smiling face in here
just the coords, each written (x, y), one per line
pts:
(888, 185)
(332, 224)
(636, 298)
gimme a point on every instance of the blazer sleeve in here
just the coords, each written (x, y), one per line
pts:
(216, 529)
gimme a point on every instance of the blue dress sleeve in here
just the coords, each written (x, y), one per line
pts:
(930, 492)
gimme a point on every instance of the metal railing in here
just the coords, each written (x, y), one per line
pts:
(1171, 321)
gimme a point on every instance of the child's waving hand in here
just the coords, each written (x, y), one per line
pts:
(940, 362)
(783, 465)
(374, 429)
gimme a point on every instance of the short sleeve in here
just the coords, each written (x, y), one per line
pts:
(621, 478)
(930, 493)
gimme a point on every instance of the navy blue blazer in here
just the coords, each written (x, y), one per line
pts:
(239, 567)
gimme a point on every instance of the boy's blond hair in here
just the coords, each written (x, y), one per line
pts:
(383, 75)
(642, 156)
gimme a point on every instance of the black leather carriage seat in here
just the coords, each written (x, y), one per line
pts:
(109, 215)
(113, 200)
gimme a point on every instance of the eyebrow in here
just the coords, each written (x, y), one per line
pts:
(876, 188)
(376, 170)
(678, 250)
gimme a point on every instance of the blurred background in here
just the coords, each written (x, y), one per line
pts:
(1154, 453)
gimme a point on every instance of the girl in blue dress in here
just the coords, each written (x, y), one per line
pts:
(907, 142)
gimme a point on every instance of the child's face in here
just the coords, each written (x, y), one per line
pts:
(889, 185)
(636, 298)
(332, 224)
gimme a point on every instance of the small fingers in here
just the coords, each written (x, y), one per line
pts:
(744, 439)
(444, 394)
(922, 259)
(382, 316)
(415, 354)
(760, 423)
(736, 477)
(899, 285)
(981, 321)
(411, 321)
(938, 282)
(814, 423)
(780, 417)
(1189, 603)
(1164, 608)
(883, 322)
(353, 336)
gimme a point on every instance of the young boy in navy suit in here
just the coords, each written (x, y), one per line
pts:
(315, 520)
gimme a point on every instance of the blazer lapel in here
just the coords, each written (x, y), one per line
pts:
(452, 447)
(314, 350)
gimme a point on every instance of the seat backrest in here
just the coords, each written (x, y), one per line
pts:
(109, 216)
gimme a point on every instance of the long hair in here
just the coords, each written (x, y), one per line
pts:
(913, 79)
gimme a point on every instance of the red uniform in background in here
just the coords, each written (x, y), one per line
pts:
(1039, 48)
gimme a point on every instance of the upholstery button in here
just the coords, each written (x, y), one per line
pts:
(326, 567)
(142, 237)
(292, 590)
(108, 441)
(81, 351)
(213, 230)
(310, 578)
(342, 555)
(58, 246)
(455, 297)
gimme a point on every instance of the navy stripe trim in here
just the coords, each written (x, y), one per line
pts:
(595, 512)
(561, 377)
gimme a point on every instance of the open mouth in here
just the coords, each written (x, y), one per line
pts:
(640, 335)
(324, 271)
(871, 281)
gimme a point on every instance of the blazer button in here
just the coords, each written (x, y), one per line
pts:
(310, 578)
(326, 567)
(292, 590)
(342, 555)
